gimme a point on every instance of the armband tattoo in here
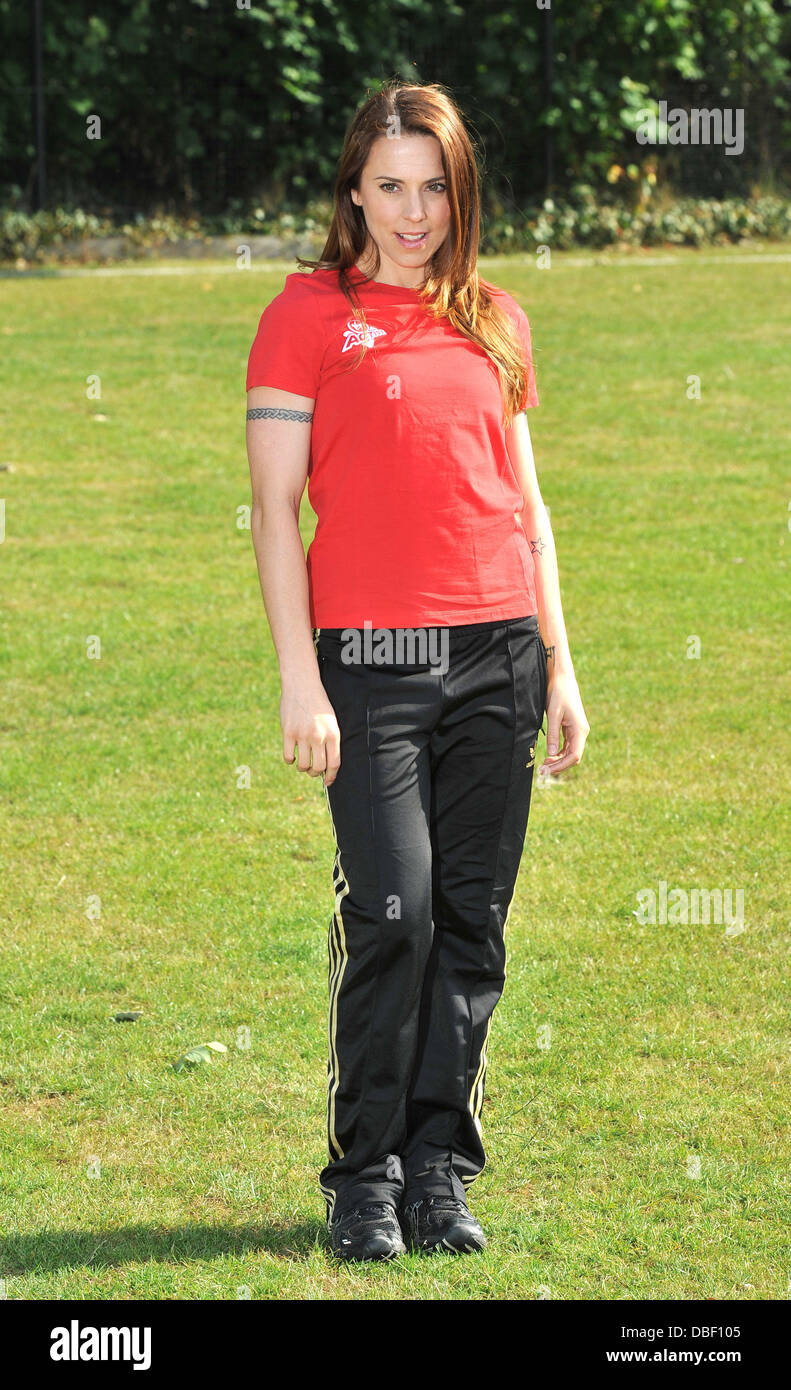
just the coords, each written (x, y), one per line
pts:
(268, 412)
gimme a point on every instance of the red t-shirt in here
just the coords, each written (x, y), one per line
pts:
(409, 475)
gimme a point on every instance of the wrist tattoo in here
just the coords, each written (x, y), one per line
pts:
(268, 412)
(537, 546)
(550, 651)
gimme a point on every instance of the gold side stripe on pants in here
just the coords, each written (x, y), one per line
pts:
(338, 957)
(330, 1195)
(475, 1103)
(476, 1095)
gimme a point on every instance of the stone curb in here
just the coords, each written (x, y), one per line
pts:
(122, 248)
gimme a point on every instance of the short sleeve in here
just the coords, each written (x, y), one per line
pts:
(289, 345)
(530, 396)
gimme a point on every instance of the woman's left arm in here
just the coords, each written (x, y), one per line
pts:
(564, 704)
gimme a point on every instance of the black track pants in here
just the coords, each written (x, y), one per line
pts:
(429, 812)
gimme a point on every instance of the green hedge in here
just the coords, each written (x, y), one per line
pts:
(561, 225)
(687, 222)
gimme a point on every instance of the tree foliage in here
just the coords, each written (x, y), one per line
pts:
(208, 103)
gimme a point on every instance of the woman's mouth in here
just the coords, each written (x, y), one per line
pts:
(412, 240)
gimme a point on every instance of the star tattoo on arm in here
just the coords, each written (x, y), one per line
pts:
(538, 546)
(268, 412)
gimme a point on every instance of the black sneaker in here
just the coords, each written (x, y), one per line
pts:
(370, 1232)
(443, 1223)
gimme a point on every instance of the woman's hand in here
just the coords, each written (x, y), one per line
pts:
(564, 712)
(309, 724)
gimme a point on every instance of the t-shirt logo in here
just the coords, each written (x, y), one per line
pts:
(360, 335)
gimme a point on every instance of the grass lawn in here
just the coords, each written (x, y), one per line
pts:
(638, 1099)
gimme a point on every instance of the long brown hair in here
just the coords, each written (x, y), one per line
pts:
(452, 289)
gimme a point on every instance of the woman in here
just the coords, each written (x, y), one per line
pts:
(419, 647)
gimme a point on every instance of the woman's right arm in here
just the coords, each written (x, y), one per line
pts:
(278, 449)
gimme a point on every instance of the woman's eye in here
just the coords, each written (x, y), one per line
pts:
(434, 187)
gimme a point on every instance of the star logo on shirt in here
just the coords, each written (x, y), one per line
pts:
(360, 335)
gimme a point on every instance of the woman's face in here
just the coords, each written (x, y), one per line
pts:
(402, 193)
